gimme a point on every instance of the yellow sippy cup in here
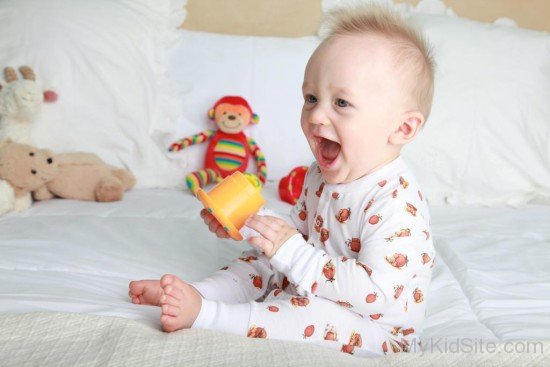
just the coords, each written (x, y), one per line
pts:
(233, 200)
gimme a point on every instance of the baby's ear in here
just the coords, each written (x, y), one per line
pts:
(410, 126)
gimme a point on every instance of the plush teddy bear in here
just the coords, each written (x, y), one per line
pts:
(78, 176)
(20, 102)
(229, 148)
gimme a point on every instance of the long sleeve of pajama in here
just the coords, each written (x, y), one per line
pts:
(358, 278)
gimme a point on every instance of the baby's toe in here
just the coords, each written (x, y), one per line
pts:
(136, 287)
(133, 298)
(174, 292)
(172, 280)
(166, 299)
(168, 323)
(166, 279)
(170, 310)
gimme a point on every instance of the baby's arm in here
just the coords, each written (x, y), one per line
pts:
(373, 281)
(246, 279)
(299, 223)
(270, 232)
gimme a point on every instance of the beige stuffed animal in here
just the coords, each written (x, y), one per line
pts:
(79, 176)
(20, 103)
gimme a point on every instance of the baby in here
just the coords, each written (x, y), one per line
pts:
(352, 270)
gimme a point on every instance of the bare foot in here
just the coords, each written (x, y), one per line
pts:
(180, 303)
(145, 292)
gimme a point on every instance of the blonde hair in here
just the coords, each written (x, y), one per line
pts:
(412, 48)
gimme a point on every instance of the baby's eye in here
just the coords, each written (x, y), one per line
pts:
(310, 99)
(341, 102)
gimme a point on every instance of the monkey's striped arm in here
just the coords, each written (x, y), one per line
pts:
(192, 140)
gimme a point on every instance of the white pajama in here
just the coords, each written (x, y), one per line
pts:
(356, 280)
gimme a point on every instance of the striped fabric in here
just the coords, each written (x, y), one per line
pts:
(192, 140)
(229, 154)
(260, 160)
(201, 178)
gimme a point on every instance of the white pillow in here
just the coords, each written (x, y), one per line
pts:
(487, 139)
(266, 71)
(105, 60)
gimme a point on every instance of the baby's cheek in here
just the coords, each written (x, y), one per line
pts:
(354, 148)
(359, 155)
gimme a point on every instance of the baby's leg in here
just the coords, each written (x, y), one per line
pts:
(180, 302)
(247, 278)
(311, 320)
(316, 320)
(201, 178)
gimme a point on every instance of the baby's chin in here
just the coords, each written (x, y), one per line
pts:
(336, 176)
(342, 172)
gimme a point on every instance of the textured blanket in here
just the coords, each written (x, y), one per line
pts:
(67, 339)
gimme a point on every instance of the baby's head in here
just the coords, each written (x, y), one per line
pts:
(368, 91)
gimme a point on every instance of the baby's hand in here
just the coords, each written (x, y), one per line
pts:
(213, 225)
(274, 232)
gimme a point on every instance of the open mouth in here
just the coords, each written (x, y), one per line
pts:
(327, 151)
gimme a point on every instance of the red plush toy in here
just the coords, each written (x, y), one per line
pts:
(229, 148)
(290, 186)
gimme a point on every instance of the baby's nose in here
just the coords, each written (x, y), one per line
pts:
(317, 117)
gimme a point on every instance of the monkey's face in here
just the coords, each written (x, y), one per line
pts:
(231, 118)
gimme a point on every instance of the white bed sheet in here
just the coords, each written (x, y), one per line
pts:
(491, 279)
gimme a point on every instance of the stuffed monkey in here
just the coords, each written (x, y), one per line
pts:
(229, 148)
